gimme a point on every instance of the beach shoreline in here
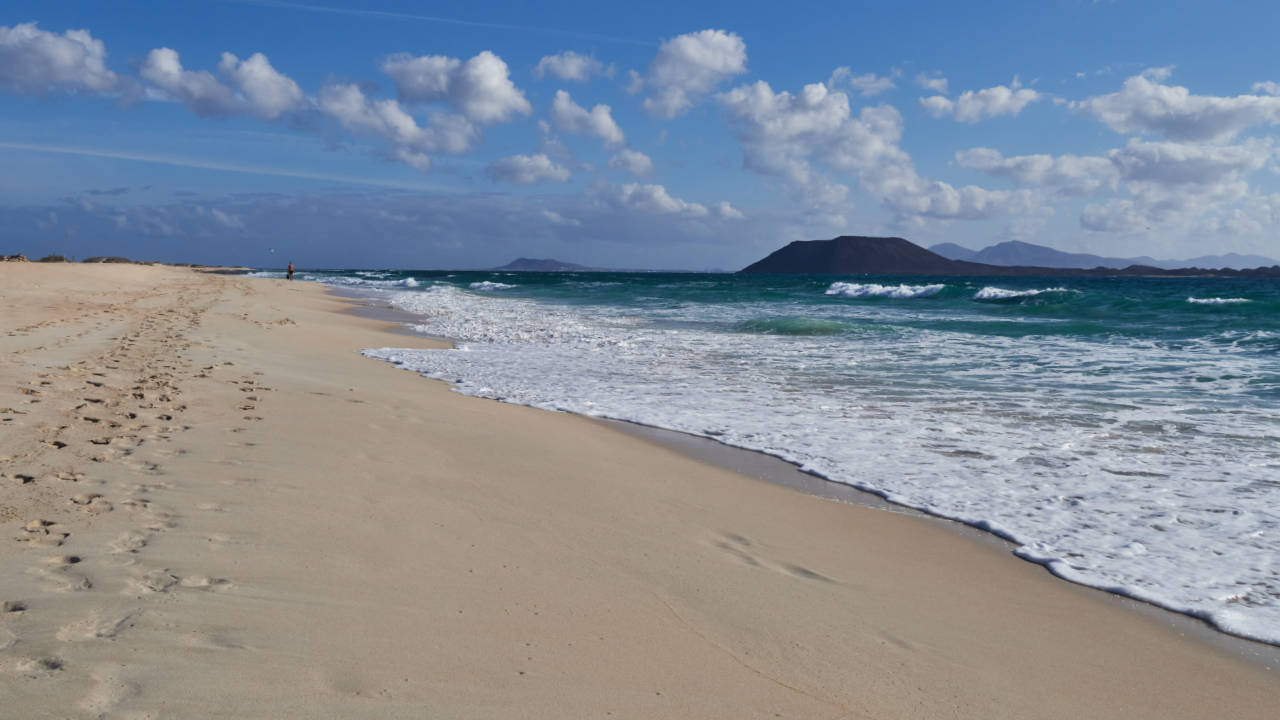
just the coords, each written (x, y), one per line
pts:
(770, 468)
(297, 530)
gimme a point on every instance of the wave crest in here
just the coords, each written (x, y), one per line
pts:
(1217, 301)
(487, 285)
(998, 293)
(866, 290)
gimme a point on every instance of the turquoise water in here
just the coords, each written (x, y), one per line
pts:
(1123, 432)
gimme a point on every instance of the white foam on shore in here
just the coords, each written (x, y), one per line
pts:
(1217, 301)
(866, 290)
(1127, 465)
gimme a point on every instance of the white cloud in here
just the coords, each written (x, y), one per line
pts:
(1163, 163)
(1113, 216)
(654, 199)
(634, 162)
(572, 66)
(1168, 163)
(197, 89)
(784, 134)
(480, 88)
(1267, 87)
(1144, 104)
(527, 170)
(36, 61)
(691, 65)
(419, 161)
(635, 82)
(268, 93)
(1084, 173)
(556, 218)
(389, 121)
(867, 84)
(727, 211)
(381, 118)
(932, 81)
(973, 106)
(570, 117)
(871, 84)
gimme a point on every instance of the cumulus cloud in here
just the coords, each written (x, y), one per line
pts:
(634, 162)
(419, 161)
(388, 120)
(655, 199)
(1267, 87)
(1113, 216)
(727, 211)
(269, 94)
(871, 84)
(689, 66)
(36, 61)
(1145, 104)
(527, 170)
(1162, 163)
(480, 88)
(973, 106)
(197, 89)
(572, 66)
(1084, 173)
(785, 134)
(932, 81)
(570, 117)
(1170, 163)
(867, 84)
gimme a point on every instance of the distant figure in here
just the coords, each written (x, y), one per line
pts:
(289, 273)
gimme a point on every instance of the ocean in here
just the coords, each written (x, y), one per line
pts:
(1122, 432)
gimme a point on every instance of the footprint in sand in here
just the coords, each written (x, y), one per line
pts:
(742, 548)
(111, 687)
(128, 542)
(94, 503)
(59, 577)
(156, 581)
(43, 533)
(94, 627)
(36, 668)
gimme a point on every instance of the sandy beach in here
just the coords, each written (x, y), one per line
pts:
(214, 506)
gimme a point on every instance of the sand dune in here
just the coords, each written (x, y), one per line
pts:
(213, 506)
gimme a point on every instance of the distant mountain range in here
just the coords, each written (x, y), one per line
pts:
(860, 255)
(1014, 253)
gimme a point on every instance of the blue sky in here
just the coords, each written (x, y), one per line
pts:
(675, 135)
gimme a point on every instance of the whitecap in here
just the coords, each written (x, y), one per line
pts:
(998, 293)
(1217, 301)
(486, 285)
(865, 290)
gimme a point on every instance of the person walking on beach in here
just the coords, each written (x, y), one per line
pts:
(289, 273)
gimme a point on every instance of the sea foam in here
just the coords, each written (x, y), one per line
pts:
(867, 290)
(1142, 467)
(998, 293)
(1217, 301)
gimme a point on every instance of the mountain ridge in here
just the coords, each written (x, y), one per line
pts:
(1018, 253)
(867, 255)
